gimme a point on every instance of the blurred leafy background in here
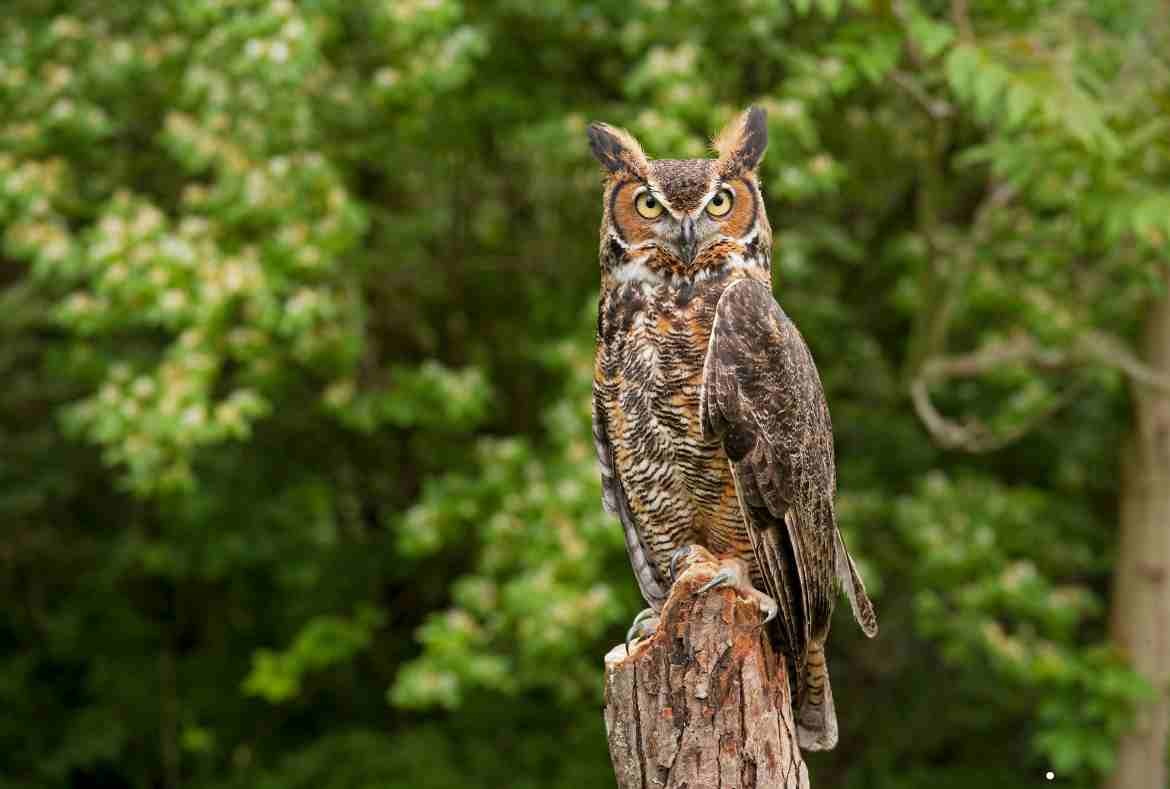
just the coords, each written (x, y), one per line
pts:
(296, 308)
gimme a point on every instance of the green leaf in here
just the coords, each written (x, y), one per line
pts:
(830, 8)
(932, 37)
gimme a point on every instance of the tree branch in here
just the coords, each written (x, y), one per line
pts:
(934, 107)
(1111, 351)
(973, 435)
(962, 20)
(931, 331)
(1093, 348)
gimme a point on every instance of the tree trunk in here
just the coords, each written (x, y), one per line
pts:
(704, 702)
(1140, 619)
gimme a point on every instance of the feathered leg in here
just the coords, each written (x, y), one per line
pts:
(816, 725)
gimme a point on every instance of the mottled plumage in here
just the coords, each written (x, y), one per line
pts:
(708, 414)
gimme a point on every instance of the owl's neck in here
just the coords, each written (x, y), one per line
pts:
(655, 266)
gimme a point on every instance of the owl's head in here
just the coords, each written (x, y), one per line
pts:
(680, 217)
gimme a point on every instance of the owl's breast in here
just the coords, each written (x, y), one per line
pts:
(652, 343)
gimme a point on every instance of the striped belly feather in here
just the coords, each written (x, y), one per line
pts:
(679, 486)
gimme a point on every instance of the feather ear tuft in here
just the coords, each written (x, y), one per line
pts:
(617, 149)
(742, 142)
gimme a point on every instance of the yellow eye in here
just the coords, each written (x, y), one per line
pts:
(720, 204)
(648, 205)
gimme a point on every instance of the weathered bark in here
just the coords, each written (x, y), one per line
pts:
(1140, 618)
(705, 702)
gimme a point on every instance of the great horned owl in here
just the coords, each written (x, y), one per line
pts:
(708, 414)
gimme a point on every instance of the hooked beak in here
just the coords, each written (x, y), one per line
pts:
(687, 239)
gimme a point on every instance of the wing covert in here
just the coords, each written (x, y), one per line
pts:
(763, 397)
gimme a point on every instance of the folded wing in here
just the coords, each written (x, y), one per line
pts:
(763, 397)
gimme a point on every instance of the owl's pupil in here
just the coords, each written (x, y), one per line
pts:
(651, 202)
(718, 200)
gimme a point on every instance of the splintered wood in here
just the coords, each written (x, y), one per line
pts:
(704, 703)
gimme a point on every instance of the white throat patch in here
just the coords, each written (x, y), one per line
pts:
(636, 270)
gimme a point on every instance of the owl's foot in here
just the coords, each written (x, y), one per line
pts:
(643, 626)
(677, 559)
(734, 573)
(685, 557)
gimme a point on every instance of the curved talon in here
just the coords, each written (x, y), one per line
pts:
(676, 557)
(642, 616)
(639, 629)
(722, 577)
(732, 575)
(639, 632)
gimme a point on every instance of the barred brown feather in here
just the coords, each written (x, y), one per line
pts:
(709, 417)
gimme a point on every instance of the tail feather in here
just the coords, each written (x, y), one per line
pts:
(816, 723)
(854, 587)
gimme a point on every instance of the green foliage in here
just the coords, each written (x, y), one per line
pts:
(295, 330)
(322, 642)
(541, 592)
(989, 556)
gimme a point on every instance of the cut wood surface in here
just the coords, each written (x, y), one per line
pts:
(704, 703)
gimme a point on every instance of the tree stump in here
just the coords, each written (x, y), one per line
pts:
(704, 702)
